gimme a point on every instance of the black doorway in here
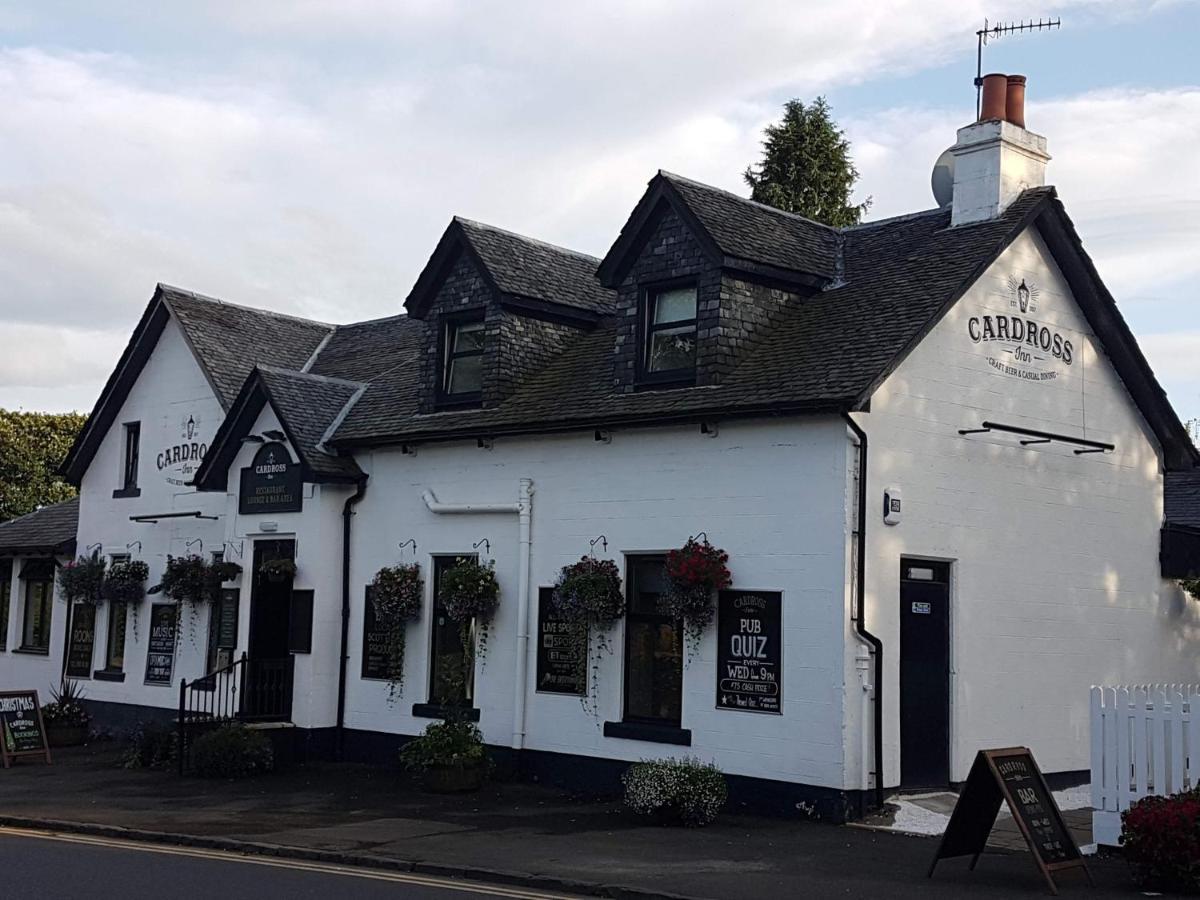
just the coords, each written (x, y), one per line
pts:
(924, 674)
(268, 682)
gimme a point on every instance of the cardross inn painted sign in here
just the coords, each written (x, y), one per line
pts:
(1024, 347)
(180, 461)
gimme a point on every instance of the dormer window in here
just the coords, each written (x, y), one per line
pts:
(462, 359)
(670, 334)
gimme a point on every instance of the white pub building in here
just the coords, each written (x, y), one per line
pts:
(929, 445)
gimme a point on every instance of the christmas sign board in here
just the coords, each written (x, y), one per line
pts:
(1010, 776)
(749, 651)
(22, 731)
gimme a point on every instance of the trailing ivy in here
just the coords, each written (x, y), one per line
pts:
(396, 597)
(588, 596)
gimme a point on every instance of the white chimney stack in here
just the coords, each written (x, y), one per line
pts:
(996, 158)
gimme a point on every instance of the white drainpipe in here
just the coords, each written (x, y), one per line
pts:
(524, 509)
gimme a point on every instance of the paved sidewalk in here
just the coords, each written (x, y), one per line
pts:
(528, 833)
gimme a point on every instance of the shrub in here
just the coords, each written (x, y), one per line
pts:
(151, 746)
(232, 751)
(67, 707)
(453, 742)
(685, 790)
(1161, 840)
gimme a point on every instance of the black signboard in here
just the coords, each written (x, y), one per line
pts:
(271, 483)
(160, 656)
(561, 651)
(376, 661)
(227, 632)
(749, 651)
(83, 640)
(1010, 776)
(22, 731)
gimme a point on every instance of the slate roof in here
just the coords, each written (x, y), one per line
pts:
(1181, 498)
(309, 405)
(230, 340)
(45, 530)
(744, 229)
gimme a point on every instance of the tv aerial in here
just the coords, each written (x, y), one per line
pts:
(997, 31)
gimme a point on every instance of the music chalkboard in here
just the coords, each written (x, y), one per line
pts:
(1010, 776)
(22, 731)
(160, 655)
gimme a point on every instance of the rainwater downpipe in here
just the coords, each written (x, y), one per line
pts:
(524, 510)
(859, 608)
(347, 517)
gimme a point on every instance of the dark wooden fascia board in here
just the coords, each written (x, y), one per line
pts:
(213, 474)
(454, 240)
(557, 313)
(116, 389)
(773, 276)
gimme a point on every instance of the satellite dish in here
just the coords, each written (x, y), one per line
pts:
(942, 180)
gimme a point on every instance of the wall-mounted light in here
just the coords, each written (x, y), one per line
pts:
(484, 443)
(710, 429)
(603, 436)
(268, 527)
(408, 449)
(274, 434)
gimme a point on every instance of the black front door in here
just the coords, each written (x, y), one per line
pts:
(924, 674)
(268, 681)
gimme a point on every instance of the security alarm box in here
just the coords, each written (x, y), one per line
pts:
(891, 505)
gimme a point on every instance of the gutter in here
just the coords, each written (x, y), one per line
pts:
(859, 611)
(347, 516)
(524, 510)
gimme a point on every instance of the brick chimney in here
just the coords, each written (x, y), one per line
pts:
(996, 158)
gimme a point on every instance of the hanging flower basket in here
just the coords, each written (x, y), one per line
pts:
(126, 583)
(469, 590)
(695, 573)
(396, 598)
(82, 580)
(186, 581)
(278, 570)
(588, 596)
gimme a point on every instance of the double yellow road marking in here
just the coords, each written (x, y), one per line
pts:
(429, 881)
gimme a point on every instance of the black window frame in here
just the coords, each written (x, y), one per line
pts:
(109, 668)
(47, 585)
(632, 561)
(439, 563)
(449, 327)
(6, 580)
(647, 298)
(130, 460)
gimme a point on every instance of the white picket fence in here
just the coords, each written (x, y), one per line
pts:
(1145, 740)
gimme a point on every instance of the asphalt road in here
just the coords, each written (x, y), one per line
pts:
(48, 867)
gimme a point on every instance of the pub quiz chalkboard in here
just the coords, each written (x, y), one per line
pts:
(1010, 776)
(22, 731)
(749, 651)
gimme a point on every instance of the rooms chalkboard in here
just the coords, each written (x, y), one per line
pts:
(22, 731)
(561, 651)
(160, 655)
(83, 639)
(749, 651)
(1010, 776)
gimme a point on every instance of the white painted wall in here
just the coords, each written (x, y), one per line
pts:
(771, 494)
(171, 389)
(31, 671)
(1055, 578)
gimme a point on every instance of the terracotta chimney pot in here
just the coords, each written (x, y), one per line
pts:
(995, 97)
(1014, 105)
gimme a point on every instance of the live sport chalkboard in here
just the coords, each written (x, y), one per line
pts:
(561, 649)
(271, 483)
(83, 639)
(22, 731)
(1010, 776)
(160, 655)
(749, 651)
(376, 661)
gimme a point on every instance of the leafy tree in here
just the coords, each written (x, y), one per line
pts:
(806, 167)
(32, 447)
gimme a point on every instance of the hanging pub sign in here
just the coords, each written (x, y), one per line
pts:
(749, 646)
(561, 651)
(83, 639)
(22, 731)
(160, 656)
(1010, 776)
(271, 483)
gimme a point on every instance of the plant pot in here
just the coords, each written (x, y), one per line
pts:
(66, 735)
(454, 778)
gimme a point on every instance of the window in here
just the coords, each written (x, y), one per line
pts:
(452, 674)
(462, 356)
(118, 617)
(39, 600)
(129, 469)
(653, 648)
(670, 333)
(5, 596)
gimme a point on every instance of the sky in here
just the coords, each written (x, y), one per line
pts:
(306, 155)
